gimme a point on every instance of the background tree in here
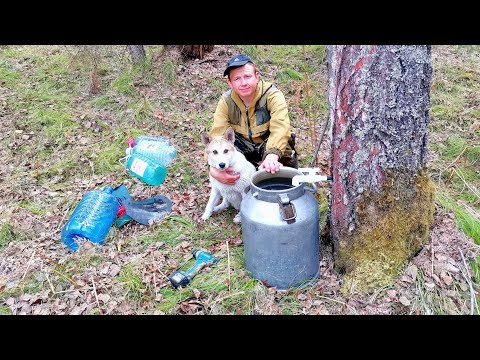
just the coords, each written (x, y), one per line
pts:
(382, 203)
(137, 53)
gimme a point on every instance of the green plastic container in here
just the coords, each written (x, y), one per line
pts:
(146, 169)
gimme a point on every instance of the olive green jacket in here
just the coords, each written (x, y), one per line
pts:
(258, 124)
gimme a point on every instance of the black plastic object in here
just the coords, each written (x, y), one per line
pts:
(154, 208)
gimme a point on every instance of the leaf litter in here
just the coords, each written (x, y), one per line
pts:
(436, 273)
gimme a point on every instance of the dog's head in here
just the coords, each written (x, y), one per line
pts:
(220, 149)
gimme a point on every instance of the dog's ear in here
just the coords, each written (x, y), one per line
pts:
(230, 135)
(205, 138)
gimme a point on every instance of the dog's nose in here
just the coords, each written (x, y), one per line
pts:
(221, 165)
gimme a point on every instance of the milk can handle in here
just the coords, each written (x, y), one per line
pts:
(312, 189)
(287, 209)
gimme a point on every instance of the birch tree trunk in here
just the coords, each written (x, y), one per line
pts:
(382, 202)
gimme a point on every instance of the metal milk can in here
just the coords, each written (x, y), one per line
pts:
(280, 228)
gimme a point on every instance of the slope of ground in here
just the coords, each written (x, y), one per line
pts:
(65, 122)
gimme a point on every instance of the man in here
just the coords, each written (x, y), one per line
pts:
(258, 113)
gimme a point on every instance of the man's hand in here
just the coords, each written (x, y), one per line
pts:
(271, 164)
(227, 176)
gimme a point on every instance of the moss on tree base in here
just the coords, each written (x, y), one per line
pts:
(392, 226)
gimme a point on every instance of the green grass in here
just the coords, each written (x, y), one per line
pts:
(175, 229)
(429, 299)
(468, 223)
(8, 76)
(168, 72)
(457, 145)
(124, 84)
(472, 49)
(11, 52)
(213, 280)
(34, 208)
(240, 298)
(451, 96)
(443, 111)
(107, 159)
(58, 123)
(143, 110)
(104, 101)
(460, 179)
(183, 165)
(6, 235)
(171, 297)
(288, 74)
(5, 310)
(29, 285)
(49, 94)
(475, 265)
(75, 265)
(131, 280)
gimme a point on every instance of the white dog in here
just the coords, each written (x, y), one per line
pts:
(222, 154)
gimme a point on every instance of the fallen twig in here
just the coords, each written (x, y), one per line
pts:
(95, 291)
(472, 211)
(61, 221)
(337, 301)
(226, 297)
(314, 159)
(40, 222)
(155, 284)
(49, 283)
(63, 276)
(473, 300)
(433, 252)
(28, 265)
(228, 267)
(43, 256)
(72, 290)
(470, 187)
(449, 165)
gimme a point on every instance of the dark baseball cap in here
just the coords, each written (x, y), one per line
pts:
(237, 60)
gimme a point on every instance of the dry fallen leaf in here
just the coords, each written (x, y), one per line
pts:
(103, 298)
(392, 294)
(447, 279)
(190, 307)
(404, 301)
(197, 293)
(412, 271)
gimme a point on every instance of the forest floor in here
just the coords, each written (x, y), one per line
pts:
(64, 127)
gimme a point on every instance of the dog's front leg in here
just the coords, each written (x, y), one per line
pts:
(222, 206)
(238, 218)
(214, 197)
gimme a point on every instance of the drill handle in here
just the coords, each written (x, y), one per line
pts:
(199, 265)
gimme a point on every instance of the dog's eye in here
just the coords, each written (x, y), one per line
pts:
(215, 152)
(225, 151)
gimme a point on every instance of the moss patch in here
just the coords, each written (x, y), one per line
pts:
(392, 226)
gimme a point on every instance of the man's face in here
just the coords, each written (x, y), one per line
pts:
(243, 80)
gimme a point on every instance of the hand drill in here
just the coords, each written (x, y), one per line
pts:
(204, 258)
